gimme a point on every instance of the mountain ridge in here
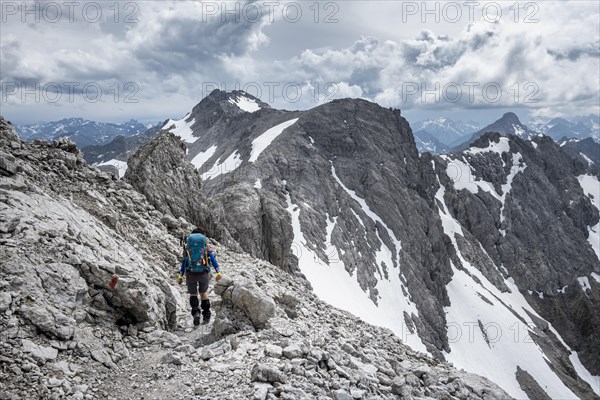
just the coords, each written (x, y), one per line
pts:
(333, 169)
(78, 336)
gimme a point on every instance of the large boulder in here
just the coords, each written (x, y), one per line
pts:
(249, 298)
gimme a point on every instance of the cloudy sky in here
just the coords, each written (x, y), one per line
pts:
(153, 60)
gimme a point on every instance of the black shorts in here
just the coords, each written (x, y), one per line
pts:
(197, 282)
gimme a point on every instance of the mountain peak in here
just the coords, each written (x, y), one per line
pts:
(510, 117)
(239, 98)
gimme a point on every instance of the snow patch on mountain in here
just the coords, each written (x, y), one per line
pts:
(502, 146)
(584, 282)
(220, 168)
(181, 128)
(586, 158)
(518, 166)
(202, 157)
(463, 177)
(245, 103)
(120, 165)
(264, 140)
(519, 131)
(593, 380)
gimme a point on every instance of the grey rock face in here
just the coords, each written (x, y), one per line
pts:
(259, 223)
(371, 149)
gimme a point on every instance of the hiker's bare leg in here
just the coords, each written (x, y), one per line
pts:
(204, 296)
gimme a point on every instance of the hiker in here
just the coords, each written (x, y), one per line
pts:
(197, 259)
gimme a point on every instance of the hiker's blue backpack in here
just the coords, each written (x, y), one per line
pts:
(197, 251)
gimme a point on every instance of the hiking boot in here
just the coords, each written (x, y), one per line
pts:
(206, 319)
(197, 318)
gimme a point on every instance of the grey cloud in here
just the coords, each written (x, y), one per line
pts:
(444, 51)
(183, 44)
(574, 54)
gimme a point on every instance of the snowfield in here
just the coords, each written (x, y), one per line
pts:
(230, 164)
(245, 104)
(182, 129)
(263, 141)
(120, 165)
(203, 157)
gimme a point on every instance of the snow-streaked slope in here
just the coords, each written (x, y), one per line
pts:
(264, 140)
(367, 210)
(223, 167)
(202, 157)
(120, 165)
(334, 285)
(462, 174)
(586, 158)
(245, 104)
(502, 146)
(591, 187)
(517, 166)
(463, 177)
(504, 322)
(181, 128)
(584, 374)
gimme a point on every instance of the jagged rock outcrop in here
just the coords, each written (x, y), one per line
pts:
(161, 172)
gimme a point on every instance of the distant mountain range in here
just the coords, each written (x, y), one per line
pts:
(580, 127)
(446, 130)
(444, 134)
(508, 124)
(83, 132)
